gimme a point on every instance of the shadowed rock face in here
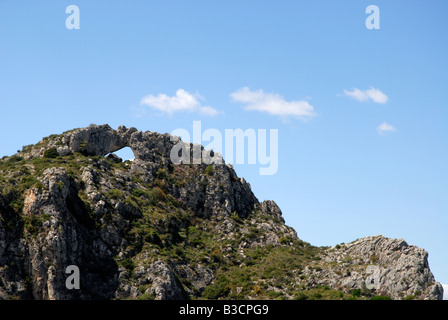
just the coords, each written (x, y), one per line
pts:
(128, 226)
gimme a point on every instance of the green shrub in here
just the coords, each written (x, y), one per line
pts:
(220, 288)
(216, 255)
(34, 223)
(356, 292)
(275, 295)
(29, 181)
(268, 271)
(235, 217)
(128, 264)
(301, 296)
(253, 233)
(14, 159)
(316, 296)
(179, 252)
(285, 240)
(153, 237)
(147, 296)
(209, 170)
(115, 194)
(194, 236)
(27, 148)
(381, 298)
(138, 193)
(51, 153)
(133, 202)
(155, 195)
(161, 173)
(173, 200)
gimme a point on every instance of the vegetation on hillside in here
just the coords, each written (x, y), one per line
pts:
(165, 228)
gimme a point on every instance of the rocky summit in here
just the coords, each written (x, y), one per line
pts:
(152, 229)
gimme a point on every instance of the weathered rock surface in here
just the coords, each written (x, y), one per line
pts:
(151, 229)
(389, 266)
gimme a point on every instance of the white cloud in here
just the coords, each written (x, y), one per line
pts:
(273, 104)
(445, 291)
(182, 101)
(370, 94)
(385, 127)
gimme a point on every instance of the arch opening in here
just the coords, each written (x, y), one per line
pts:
(124, 153)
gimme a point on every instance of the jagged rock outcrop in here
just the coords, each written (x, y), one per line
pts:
(388, 266)
(154, 229)
(152, 152)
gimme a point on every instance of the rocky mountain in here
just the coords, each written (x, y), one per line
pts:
(152, 229)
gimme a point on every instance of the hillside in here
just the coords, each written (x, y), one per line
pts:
(151, 229)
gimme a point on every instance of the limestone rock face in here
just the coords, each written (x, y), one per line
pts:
(98, 140)
(389, 266)
(271, 207)
(154, 229)
(69, 239)
(159, 279)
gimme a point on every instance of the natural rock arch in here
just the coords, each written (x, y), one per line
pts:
(100, 140)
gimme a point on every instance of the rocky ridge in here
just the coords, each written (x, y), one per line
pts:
(151, 229)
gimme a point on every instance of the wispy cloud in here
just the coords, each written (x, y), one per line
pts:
(273, 104)
(385, 127)
(138, 111)
(372, 94)
(182, 101)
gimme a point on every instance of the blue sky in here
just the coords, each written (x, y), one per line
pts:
(339, 178)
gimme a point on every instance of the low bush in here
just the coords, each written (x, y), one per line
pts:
(209, 170)
(220, 288)
(51, 153)
(381, 298)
